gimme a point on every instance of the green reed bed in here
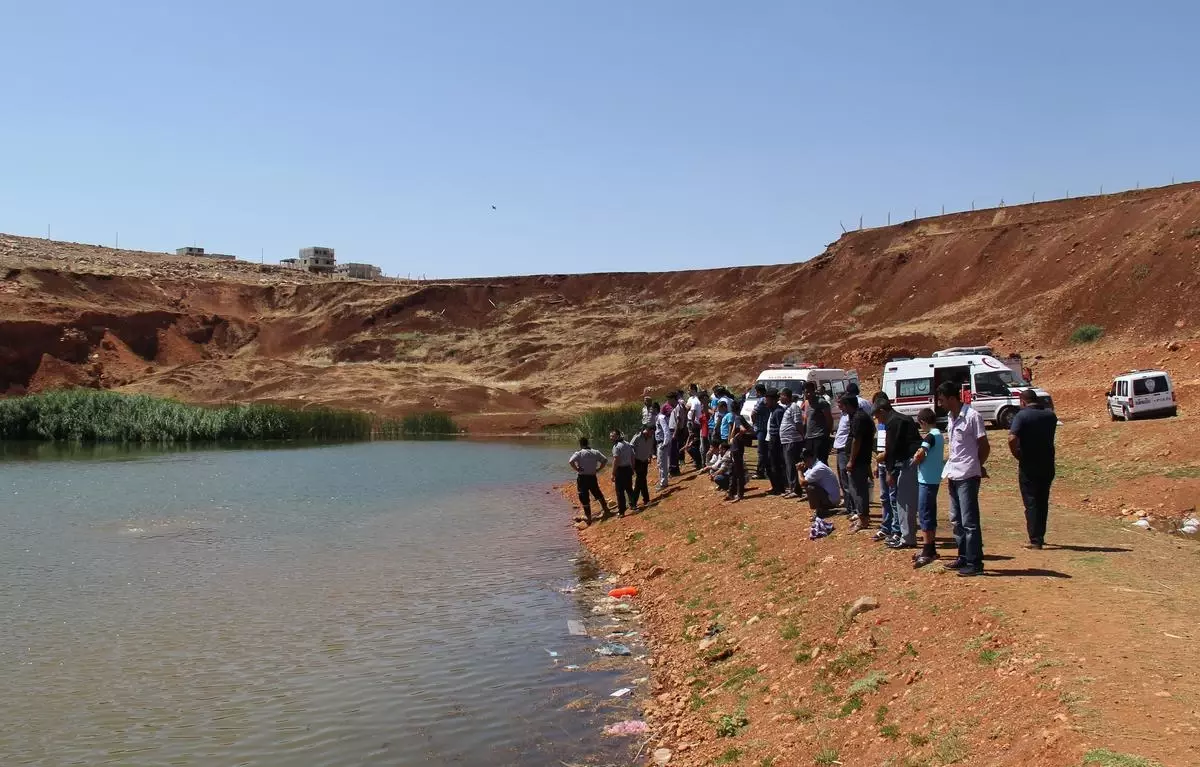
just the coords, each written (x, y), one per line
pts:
(87, 415)
(597, 423)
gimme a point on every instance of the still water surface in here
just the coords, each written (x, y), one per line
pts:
(369, 604)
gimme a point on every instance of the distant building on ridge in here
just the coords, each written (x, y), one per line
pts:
(316, 259)
(359, 271)
(194, 252)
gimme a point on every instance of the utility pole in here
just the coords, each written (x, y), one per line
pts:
(117, 241)
(47, 231)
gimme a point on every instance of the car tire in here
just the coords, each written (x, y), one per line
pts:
(1173, 412)
(1005, 417)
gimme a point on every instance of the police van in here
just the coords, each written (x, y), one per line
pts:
(794, 375)
(992, 387)
(1141, 394)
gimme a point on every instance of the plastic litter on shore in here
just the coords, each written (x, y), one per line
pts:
(613, 648)
(621, 693)
(576, 629)
(628, 727)
(552, 653)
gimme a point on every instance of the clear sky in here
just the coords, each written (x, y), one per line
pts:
(609, 135)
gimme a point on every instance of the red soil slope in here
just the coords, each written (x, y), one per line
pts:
(520, 351)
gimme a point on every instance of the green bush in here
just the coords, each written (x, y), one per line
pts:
(1085, 334)
(88, 415)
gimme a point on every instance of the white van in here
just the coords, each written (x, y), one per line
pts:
(1141, 394)
(793, 375)
(993, 388)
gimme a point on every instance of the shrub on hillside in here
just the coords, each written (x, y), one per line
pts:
(1085, 334)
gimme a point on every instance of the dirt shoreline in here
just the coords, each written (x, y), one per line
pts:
(1054, 657)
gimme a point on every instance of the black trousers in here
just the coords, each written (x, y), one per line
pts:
(587, 484)
(764, 457)
(640, 488)
(791, 457)
(775, 471)
(694, 451)
(819, 501)
(820, 447)
(623, 479)
(1035, 492)
(737, 481)
(858, 490)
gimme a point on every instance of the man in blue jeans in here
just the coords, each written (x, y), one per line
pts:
(969, 451)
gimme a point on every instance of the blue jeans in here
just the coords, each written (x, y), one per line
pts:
(964, 518)
(887, 500)
(927, 507)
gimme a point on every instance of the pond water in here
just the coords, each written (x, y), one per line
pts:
(368, 604)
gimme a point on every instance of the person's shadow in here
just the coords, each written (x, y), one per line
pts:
(1100, 549)
(1025, 572)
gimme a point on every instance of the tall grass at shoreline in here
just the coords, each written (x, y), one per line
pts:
(597, 423)
(88, 415)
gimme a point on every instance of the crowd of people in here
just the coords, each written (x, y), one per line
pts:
(796, 434)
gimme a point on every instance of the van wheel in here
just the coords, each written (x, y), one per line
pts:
(1111, 414)
(1124, 413)
(1173, 412)
(1005, 417)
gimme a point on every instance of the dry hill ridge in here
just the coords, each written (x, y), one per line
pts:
(516, 352)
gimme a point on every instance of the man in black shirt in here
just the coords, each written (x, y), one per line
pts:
(1031, 441)
(858, 461)
(818, 423)
(903, 442)
(775, 459)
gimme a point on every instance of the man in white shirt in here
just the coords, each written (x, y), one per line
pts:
(721, 466)
(587, 463)
(966, 435)
(662, 435)
(693, 425)
(820, 484)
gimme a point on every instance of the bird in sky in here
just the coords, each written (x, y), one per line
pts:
(493, 207)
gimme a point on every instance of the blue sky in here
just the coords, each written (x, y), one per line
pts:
(609, 135)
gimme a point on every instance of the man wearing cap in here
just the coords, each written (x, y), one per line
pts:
(1031, 442)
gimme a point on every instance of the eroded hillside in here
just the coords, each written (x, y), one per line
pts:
(516, 352)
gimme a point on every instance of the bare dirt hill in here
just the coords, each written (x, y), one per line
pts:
(516, 352)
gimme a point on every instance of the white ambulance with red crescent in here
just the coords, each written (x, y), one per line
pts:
(992, 387)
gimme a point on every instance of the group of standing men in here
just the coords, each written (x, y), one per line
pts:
(795, 439)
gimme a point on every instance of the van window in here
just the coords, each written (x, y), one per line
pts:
(991, 385)
(1151, 385)
(914, 387)
(838, 388)
(781, 384)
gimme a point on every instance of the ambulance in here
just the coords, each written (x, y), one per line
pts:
(794, 375)
(992, 387)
